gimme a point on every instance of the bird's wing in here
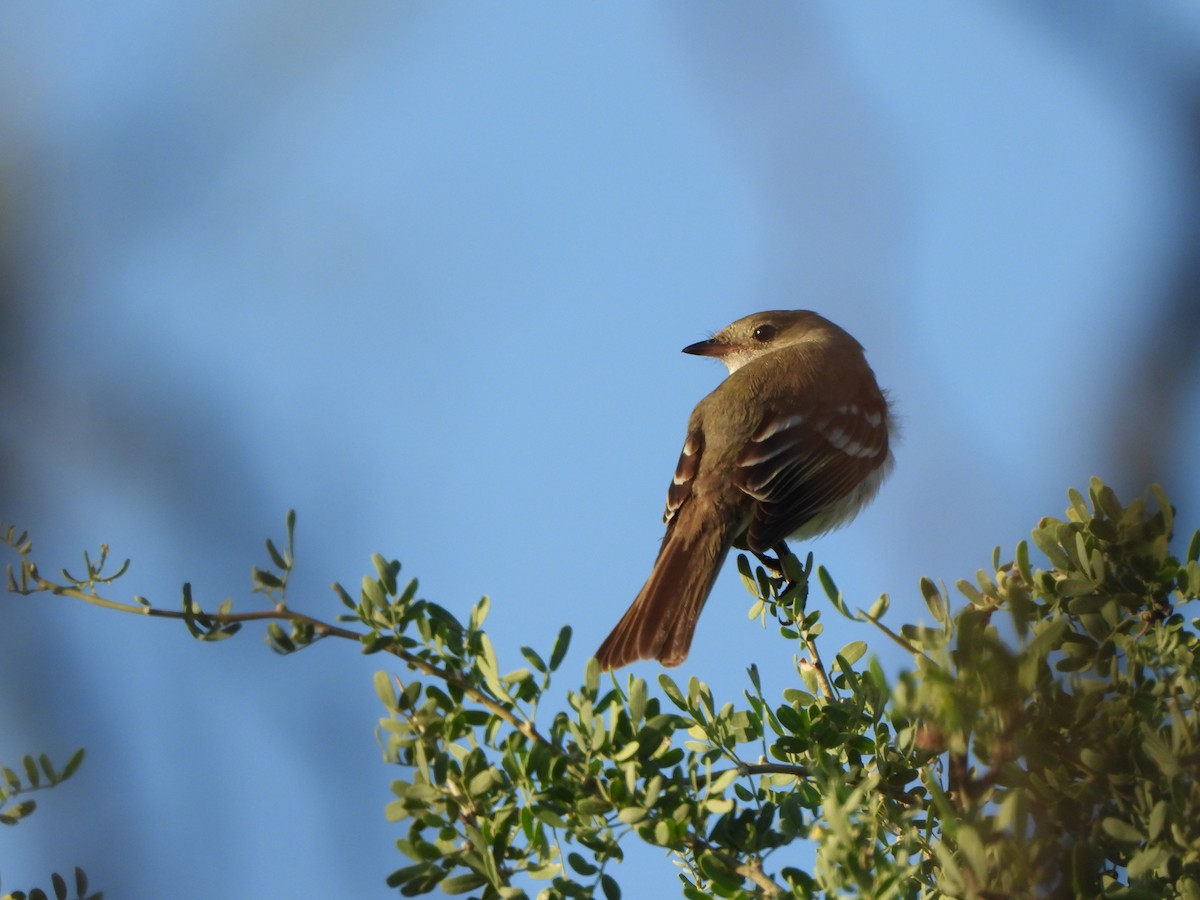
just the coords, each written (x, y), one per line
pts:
(799, 463)
(685, 473)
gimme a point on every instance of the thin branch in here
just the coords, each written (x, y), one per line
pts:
(819, 668)
(754, 871)
(748, 769)
(773, 769)
(320, 628)
(878, 623)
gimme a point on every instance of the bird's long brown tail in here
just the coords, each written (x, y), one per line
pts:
(661, 621)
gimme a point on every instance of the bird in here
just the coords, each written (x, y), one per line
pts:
(792, 444)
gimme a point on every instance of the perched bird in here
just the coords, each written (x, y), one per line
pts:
(793, 443)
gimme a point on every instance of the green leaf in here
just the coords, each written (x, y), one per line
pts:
(372, 593)
(831, 591)
(265, 579)
(970, 846)
(718, 806)
(880, 607)
(718, 873)
(1158, 818)
(15, 813)
(385, 689)
(343, 596)
(374, 642)
(1023, 565)
(561, 643)
(612, 891)
(551, 818)
(544, 872)
(533, 659)
(1145, 862)
(591, 677)
(386, 571)
(1164, 507)
(406, 596)
(754, 678)
(1160, 752)
(482, 782)
(73, 765)
(581, 865)
(853, 652)
(276, 557)
(516, 676)
(631, 815)
(796, 723)
(488, 662)
(1078, 504)
(48, 769)
(744, 570)
(278, 640)
(798, 697)
(672, 691)
(480, 612)
(1047, 538)
(934, 600)
(663, 835)
(969, 591)
(1073, 664)
(723, 781)
(461, 884)
(637, 700)
(1120, 830)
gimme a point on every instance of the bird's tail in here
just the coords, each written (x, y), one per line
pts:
(661, 621)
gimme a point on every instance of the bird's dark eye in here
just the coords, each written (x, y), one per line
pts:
(764, 333)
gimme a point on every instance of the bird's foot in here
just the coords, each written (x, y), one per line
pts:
(774, 564)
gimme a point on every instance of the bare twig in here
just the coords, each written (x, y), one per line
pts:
(819, 668)
(753, 870)
(282, 613)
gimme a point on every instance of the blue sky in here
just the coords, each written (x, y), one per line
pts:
(423, 271)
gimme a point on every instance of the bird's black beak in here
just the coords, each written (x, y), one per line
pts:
(711, 347)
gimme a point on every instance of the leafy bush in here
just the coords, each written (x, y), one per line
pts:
(1046, 741)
